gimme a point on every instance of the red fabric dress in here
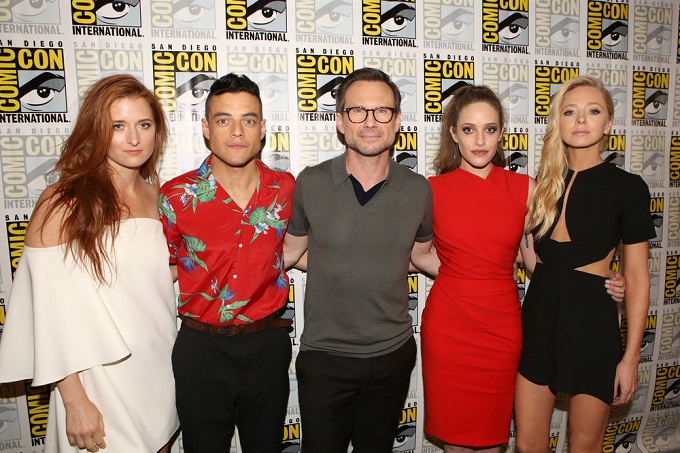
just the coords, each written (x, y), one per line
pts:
(471, 328)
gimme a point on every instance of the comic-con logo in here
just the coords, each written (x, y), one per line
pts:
(650, 97)
(318, 78)
(413, 298)
(547, 81)
(451, 24)
(660, 434)
(521, 281)
(16, 234)
(647, 158)
(32, 85)
(504, 26)
(37, 401)
(317, 143)
(256, 19)
(93, 64)
(182, 79)
(405, 439)
(270, 71)
(654, 268)
(674, 161)
(276, 152)
(324, 17)
(614, 151)
(106, 18)
(652, 31)
(388, 22)
(402, 71)
(442, 79)
(656, 207)
(607, 30)
(10, 428)
(557, 27)
(511, 82)
(666, 388)
(291, 436)
(669, 342)
(673, 221)
(405, 153)
(621, 436)
(516, 146)
(184, 15)
(289, 309)
(671, 288)
(615, 81)
(25, 160)
(31, 12)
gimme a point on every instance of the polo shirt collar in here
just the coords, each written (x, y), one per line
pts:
(395, 178)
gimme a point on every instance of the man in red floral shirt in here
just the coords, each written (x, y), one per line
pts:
(224, 224)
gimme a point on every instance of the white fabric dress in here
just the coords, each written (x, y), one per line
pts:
(119, 337)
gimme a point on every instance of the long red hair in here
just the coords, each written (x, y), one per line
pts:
(85, 190)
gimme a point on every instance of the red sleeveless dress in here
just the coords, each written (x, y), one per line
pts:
(471, 329)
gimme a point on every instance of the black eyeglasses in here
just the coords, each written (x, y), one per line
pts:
(359, 114)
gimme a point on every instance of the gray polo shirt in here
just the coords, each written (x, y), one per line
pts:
(356, 300)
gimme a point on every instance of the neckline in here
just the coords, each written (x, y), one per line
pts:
(589, 168)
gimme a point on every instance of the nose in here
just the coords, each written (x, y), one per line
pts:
(370, 119)
(237, 129)
(479, 138)
(133, 136)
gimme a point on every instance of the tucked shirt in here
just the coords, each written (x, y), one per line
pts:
(229, 260)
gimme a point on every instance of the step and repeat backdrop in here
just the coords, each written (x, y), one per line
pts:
(298, 51)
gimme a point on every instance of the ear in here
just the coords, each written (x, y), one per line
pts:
(608, 127)
(263, 130)
(452, 131)
(340, 123)
(206, 129)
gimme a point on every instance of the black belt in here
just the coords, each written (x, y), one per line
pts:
(272, 321)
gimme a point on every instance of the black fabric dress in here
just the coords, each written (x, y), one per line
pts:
(572, 341)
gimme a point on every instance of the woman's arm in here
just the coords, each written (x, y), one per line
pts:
(526, 244)
(637, 305)
(424, 259)
(84, 422)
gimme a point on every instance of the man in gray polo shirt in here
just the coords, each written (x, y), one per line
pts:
(359, 215)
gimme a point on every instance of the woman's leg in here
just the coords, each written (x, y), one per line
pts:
(587, 421)
(533, 411)
(456, 449)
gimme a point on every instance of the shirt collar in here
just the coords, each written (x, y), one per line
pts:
(395, 178)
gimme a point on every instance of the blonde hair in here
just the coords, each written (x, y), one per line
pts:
(553, 168)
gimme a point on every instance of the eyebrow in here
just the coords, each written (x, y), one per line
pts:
(247, 114)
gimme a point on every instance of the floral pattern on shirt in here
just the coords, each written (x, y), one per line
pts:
(223, 252)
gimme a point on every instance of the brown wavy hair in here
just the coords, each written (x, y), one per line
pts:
(448, 157)
(85, 190)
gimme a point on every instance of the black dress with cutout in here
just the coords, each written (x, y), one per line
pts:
(572, 341)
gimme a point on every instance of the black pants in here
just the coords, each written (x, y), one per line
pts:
(222, 382)
(345, 399)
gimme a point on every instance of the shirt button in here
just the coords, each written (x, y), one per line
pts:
(240, 245)
(234, 276)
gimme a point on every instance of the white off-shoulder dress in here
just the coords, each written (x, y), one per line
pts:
(118, 337)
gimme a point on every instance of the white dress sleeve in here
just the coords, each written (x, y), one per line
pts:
(56, 321)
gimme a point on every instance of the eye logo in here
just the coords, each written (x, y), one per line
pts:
(191, 93)
(116, 13)
(183, 14)
(442, 79)
(388, 22)
(259, 15)
(503, 29)
(30, 12)
(42, 92)
(607, 28)
(318, 80)
(558, 29)
(650, 98)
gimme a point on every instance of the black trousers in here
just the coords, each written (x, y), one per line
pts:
(222, 382)
(345, 399)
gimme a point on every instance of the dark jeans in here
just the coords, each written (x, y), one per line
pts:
(222, 382)
(348, 398)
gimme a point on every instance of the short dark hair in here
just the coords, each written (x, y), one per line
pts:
(233, 83)
(368, 75)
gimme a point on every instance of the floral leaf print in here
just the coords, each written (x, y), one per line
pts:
(281, 282)
(193, 246)
(261, 219)
(200, 190)
(226, 311)
(244, 318)
(165, 210)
